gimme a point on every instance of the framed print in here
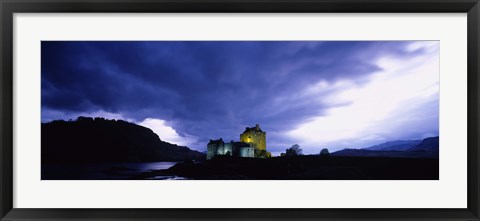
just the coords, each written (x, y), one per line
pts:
(258, 110)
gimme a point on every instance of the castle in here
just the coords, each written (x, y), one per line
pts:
(252, 144)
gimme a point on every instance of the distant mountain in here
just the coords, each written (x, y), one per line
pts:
(428, 144)
(101, 140)
(381, 153)
(395, 145)
(426, 148)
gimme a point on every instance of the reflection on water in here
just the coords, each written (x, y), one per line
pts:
(167, 178)
(103, 171)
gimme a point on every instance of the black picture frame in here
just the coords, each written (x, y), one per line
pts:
(9, 7)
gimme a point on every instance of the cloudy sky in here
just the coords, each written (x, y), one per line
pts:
(318, 94)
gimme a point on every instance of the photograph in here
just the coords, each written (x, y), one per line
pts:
(240, 110)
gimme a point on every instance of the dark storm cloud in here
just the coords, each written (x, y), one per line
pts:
(204, 89)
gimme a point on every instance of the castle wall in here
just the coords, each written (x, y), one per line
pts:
(228, 149)
(220, 150)
(247, 152)
(211, 151)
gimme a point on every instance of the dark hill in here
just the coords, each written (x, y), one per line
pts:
(395, 145)
(102, 140)
(382, 153)
(427, 148)
(428, 144)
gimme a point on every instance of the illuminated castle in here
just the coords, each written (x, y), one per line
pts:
(252, 144)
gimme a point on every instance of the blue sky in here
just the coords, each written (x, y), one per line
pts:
(318, 94)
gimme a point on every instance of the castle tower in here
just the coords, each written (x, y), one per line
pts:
(255, 136)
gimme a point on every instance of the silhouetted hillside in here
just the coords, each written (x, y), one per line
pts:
(395, 145)
(426, 148)
(101, 140)
(428, 144)
(381, 153)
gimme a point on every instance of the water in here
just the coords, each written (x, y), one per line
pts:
(103, 171)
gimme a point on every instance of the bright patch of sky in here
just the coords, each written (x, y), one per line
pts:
(396, 92)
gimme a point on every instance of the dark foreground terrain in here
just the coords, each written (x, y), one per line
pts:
(309, 167)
